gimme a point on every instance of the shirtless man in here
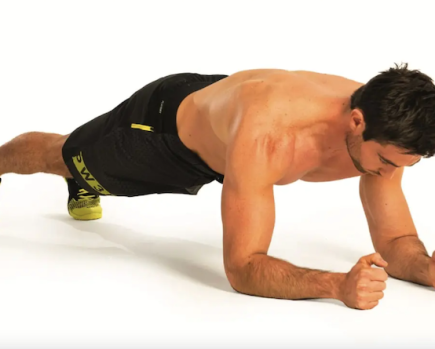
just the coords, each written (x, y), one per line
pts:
(250, 131)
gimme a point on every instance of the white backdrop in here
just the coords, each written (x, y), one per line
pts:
(150, 273)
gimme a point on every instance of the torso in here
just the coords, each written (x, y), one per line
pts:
(307, 104)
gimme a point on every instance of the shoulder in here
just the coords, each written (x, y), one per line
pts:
(260, 137)
(278, 103)
(272, 107)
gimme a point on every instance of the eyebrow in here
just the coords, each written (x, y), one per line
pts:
(387, 161)
(393, 164)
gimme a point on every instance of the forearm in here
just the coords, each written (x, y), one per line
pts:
(407, 260)
(270, 277)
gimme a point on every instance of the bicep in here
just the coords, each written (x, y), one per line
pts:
(386, 208)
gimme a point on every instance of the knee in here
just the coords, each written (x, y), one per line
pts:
(53, 159)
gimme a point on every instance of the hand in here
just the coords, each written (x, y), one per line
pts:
(432, 269)
(363, 286)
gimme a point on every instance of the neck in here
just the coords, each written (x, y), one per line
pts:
(332, 141)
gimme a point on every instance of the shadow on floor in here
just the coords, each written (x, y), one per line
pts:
(188, 258)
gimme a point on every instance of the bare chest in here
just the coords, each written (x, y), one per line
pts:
(310, 166)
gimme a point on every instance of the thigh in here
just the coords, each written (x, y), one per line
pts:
(132, 162)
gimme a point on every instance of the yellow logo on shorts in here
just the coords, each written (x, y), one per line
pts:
(87, 176)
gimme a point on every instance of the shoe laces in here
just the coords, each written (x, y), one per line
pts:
(83, 194)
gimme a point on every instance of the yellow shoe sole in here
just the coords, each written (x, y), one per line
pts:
(86, 217)
(86, 214)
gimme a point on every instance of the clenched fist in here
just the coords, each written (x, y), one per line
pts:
(432, 269)
(363, 286)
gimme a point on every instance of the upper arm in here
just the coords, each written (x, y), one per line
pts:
(386, 209)
(256, 159)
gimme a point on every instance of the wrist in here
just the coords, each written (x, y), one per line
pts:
(338, 286)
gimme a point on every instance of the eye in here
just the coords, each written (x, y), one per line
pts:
(383, 161)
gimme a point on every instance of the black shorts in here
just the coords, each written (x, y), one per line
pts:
(135, 150)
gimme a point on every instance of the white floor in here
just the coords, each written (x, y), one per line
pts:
(150, 274)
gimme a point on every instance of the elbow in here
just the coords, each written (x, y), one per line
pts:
(239, 274)
(234, 277)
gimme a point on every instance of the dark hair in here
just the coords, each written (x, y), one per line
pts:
(399, 109)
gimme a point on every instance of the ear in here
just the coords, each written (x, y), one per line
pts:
(357, 123)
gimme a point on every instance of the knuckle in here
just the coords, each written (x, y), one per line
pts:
(364, 273)
(361, 286)
(363, 305)
(371, 306)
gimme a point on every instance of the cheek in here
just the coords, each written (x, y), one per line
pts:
(365, 159)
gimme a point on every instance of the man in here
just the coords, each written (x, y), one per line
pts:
(259, 128)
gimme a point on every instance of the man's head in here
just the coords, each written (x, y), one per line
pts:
(392, 121)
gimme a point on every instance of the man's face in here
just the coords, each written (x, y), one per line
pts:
(374, 158)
